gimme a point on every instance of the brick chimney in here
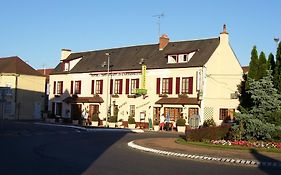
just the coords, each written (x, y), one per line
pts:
(163, 41)
(64, 54)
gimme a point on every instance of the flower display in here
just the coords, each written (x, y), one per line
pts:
(256, 144)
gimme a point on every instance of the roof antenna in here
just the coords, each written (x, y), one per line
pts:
(159, 21)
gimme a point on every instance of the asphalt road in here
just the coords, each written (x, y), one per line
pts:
(27, 148)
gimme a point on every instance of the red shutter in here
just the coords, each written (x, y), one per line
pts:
(71, 87)
(79, 87)
(177, 85)
(121, 86)
(93, 87)
(54, 90)
(127, 86)
(101, 86)
(170, 86)
(158, 86)
(111, 86)
(190, 85)
(61, 87)
(137, 83)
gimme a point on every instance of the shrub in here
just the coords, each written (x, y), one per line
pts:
(180, 122)
(112, 119)
(209, 123)
(209, 133)
(131, 120)
(95, 117)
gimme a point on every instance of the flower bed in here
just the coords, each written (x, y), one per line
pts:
(257, 144)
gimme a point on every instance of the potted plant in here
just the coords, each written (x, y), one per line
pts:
(181, 125)
(95, 120)
(131, 122)
(120, 122)
(156, 125)
(112, 121)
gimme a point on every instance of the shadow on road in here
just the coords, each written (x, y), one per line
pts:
(268, 164)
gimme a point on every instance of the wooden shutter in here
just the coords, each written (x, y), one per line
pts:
(177, 85)
(55, 86)
(93, 87)
(111, 86)
(137, 83)
(158, 86)
(127, 86)
(190, 85)
(61, 87)
(71, 87)
(170, 90)
(101, 86)
(121, 86)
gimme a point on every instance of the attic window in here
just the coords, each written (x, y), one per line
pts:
(180, 58)
(66, 66)
(172, 58)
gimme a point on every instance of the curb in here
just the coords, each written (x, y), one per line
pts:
(92, 129)
(205, 158)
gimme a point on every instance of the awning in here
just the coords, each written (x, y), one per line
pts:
(94, 99)
(178, 101)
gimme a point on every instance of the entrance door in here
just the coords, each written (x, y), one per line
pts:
(174, 113)
(76, 111)
(93, 109)
(156, 114)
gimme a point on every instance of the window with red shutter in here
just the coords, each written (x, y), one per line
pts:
(177, 85)
(71, 87)
(120, 86)
(137, 83)
(111, 86)
(127, 86)
(54, 88)
(170, 90)
(101, 86)
(190, 85)
(93, 87)
(158, 86)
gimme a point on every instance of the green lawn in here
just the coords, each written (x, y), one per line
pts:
(226, 147)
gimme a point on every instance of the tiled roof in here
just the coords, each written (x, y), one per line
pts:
(179, 101)
(16, 65)
(128, 58)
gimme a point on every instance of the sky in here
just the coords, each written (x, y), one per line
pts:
(37, 30)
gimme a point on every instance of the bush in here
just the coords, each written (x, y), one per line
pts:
(95, 117)
(180, 122)
(209, 133)
(131, 120)
(209, 123)
(112, 119)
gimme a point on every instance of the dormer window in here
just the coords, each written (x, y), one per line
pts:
(180, 58)
(66, 66)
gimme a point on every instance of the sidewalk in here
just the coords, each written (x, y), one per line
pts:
(168, 146)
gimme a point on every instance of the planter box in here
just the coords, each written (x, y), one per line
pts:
(103, 123)
(156, 127)
(132, 126)
(111, 125)
(119, 124)
(181, 128)
(75, 122)
(95, 123)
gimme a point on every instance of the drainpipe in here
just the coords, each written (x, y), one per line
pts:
(16, 97)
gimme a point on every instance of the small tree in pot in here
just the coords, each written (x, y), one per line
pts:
(131, 122)
(181, 124)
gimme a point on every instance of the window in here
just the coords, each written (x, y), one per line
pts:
(132, 110)
(185, 85)
(99, 84)
(59, 109)
(165, 85)
(134, 86)
(66, 66)
(183, 58)
(180, 57)
(172, 58)
(77, 87)
(118, 87)
(59, 87)
(226, 114)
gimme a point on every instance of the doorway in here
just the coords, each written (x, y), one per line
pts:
(93, 109)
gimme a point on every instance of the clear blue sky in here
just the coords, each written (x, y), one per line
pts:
(37, 30)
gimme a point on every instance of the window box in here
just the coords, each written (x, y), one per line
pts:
(141, 91)
(163, 95)
(114, 95)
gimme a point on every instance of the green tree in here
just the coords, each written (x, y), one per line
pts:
(277, 73)
(253, 66)
(244, 97)
(262, 66)
(271, 63)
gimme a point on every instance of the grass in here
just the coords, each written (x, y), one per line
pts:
(226, 147)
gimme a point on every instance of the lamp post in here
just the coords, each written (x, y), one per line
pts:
(276, 40)
(108, 88)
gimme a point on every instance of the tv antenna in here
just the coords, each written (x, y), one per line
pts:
(159, 21)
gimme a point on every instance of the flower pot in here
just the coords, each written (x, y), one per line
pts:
(132, 126)
(95, 123)
(181, 128)
(111, 125)
(156, 127)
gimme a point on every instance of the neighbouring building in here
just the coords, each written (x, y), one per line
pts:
(195, 79)
(21, 90)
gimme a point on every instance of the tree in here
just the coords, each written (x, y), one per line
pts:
(277, 73)
(262, 66)
(253, 66)
(271, 63)
(244, 97)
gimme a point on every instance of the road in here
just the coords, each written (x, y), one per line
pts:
(27, 148)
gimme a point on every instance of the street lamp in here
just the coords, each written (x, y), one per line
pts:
(276, 40)
(108, 88)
